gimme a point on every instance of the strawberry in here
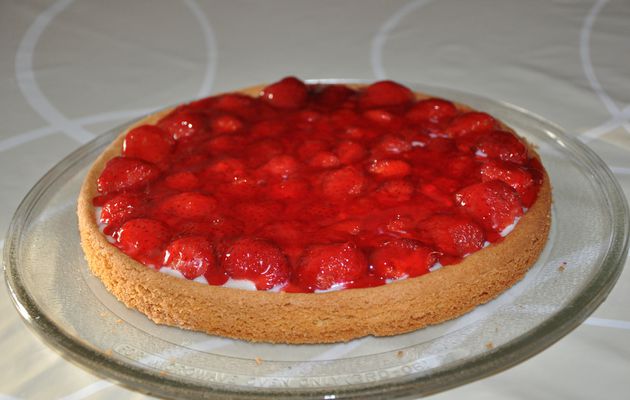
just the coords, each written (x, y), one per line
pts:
(349, 152)
(309, 148)
(281, 166)
(317, 210)
(224, 169)
(401, 258)
(344, 118)
(188, 205)
(392, 144)
(232, 102)
(452, 235)
(380, 117)
(400, 224)
(182, 181)
(389, 168)
(268, 128)
(395, 191)
(503, 146)
(324, 159)
(257, 214)
(289, 93)
(193, 256)
(437, 194)
(239, 187)
(384, 94)
(332, 96)
(461, 166)
(183, 123)
(226, 124)
(119, 209)
(306, 117)
(216, 228)
(518, 177)
(289, 189)
(348, 226)
(331, 233)
(143, 239)
(434, 110)
(494, 204)
(446, 185)
(220, 145)
(122, 173)
(284, 233)
(258, 261)
(440, 145)
(148, 143)
(262, 151)
(471, 123)
(359, 132)
(344, 182)
(321, 267)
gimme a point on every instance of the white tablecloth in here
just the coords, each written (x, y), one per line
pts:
(69, 70)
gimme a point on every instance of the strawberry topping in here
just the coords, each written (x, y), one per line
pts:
(315, 187)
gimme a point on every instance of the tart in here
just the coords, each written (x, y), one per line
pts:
(295, 213)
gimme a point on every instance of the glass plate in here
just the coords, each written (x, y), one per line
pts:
(62, 302)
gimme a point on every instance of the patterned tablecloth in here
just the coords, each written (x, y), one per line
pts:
(70, 70)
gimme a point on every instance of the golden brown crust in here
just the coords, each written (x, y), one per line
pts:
(386, 310)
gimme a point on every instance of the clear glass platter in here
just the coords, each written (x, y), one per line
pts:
(65, 305)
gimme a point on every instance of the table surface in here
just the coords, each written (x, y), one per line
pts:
(72, 69)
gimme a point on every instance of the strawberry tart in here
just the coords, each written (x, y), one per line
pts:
(296, 213)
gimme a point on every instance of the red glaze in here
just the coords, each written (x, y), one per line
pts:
(314, 187)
